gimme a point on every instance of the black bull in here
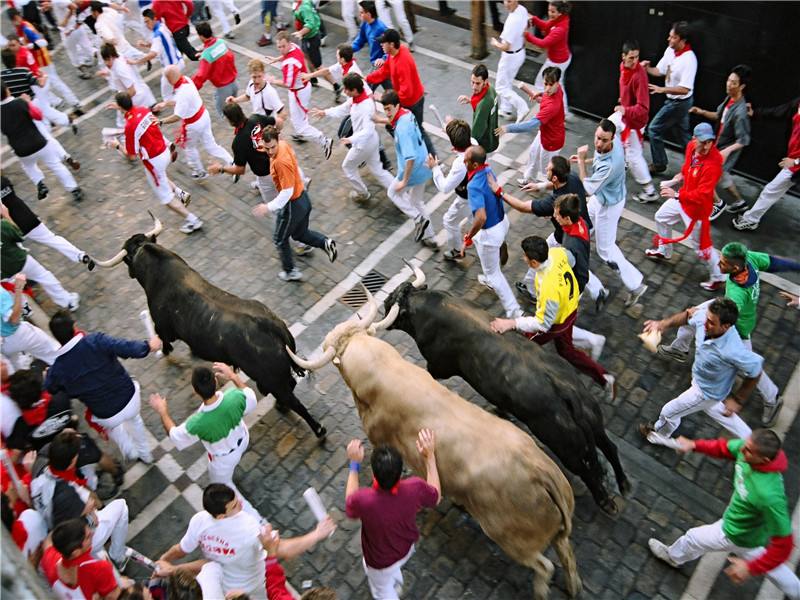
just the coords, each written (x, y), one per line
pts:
(216, 325)
(536, 386)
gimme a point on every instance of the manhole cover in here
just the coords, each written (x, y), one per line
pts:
(355, 298)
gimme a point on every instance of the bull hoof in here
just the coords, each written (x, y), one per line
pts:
(321, 433)
(281, 407)
(613, 505)
(625, 488)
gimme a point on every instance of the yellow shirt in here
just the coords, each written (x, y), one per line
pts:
(556, 290)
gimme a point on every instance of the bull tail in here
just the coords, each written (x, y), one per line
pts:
(298, 371)
(556, 493)
(561, 541)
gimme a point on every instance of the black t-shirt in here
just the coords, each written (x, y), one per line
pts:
(546, 206)
(19, 81)
(245, 145)
(23, 216)
(17, 125)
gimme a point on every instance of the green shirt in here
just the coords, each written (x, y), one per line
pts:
(758, 509)
(309, 17)
(215, 425)
(746, 298)
(484, 121)
(12, 257)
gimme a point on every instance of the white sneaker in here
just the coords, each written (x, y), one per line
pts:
(661, 551)
(358, 196)
(327, 147)
(254, 185)
(189, 226)
(293, 275)
(199, 175)
(74, 302)
(598, 342)
(184, 196)
(610, 387)
(485, 282)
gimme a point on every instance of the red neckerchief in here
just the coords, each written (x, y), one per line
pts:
(401, 111)
(393, 491)
(180, 82)
(361, 97)
(72, 562)
(741, 278)
(577, 230)
(471, 174)
(626, 73)
(37, 413)
(476, 98)
(69, 475)
(346, 67)
(686, 48)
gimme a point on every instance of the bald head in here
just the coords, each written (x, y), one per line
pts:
(474, 156)
(173, 74)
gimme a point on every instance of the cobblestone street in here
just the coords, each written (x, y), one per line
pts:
(234, 250)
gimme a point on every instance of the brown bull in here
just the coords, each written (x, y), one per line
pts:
(517, 494)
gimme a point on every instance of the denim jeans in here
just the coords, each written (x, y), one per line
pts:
(292, 222)
(674, 114)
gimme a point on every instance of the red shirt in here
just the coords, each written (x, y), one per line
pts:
(551, 115)
(389, 519)
(143, 136)
(219, 72)
(556, 36)
(26, 59)
(292, 64)
(634, 95)
(174, 13)
(94, 576)
(402, 70)
(700, 177)
(794, 142)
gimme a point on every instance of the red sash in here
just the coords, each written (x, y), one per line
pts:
(180, 141)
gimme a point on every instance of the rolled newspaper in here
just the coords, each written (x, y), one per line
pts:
(315, 504)
(150, 328)
(651, 340)
(438, 116)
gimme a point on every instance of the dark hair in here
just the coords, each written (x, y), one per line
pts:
(369, 7)
(62, 326)
(608, 126)
(203, 382)
(215, 497)
(725, 309)
(6, 512)
(562, 7)
(25, 388)
(535, 248)
(108, 50)
(148, 12)
(11, 13)
(238, 596)
(391, 36)
(95, 5)
(480, 71)
(551, 74)
(124, 100)
(353, 81)
(203, 29)
(569, 205)
(477, 154)
(387, 466)
(234, 113)
(767, 442)
(63, 449)
(68, 536)
(4, 89)
(630, 45)
(560, 168)
(743, 72)
(459, 133)
(320, 593)
(270, 133)
(9, 58)
(681, 29)
(390, 97)
(182, 585)
(134, 592)
(345, 51)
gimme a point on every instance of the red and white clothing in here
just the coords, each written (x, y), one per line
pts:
(549, 141)
(338, 70)
(555, 41)
(293, 64)
(94, 576)
(195, 126)
(143, 138)
(634, 95)
(109, 28)
(38, 52)
(28, 531)
(679, 69)
(74, 34)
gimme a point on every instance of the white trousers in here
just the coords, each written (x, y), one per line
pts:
(605, 220)
(34, 270)
(411, 201)
(669, 214)
(349, 18)
(266, 187)
(538, 158)
(43, 235)
(771, 193)
(299, 117)
(399, 14)
(386, 583)
(487, 245)
(634, 157)
(199, 134)
(710, 538)
(692, 401)
(368, 153)
(112, 524)
(78, 46)
(538, 84)
(507, 69)
(220, 10)
(55, 84)
(221, 468)
(127, 429)
(55, 117)
(158, 180)
(51, 158)
(455, 214)
(29, 338)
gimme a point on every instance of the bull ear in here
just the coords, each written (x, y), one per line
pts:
(152, 239)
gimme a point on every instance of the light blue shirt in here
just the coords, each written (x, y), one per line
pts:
(408, 145)
(607, 181)
(718, 360)
(6, 307)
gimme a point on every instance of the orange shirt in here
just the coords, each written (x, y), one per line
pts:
(284, 170)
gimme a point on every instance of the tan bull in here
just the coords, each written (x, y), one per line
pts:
(493, 469)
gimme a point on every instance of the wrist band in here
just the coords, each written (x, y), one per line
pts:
(355, 466)
(467, 241)
(499, 192)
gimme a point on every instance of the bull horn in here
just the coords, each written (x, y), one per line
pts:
(312, 365)
(419, 275)
(157, 226)
(111, 262)
(387, 321)
(372, 312)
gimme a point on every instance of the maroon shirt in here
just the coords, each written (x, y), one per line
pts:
(388, 521)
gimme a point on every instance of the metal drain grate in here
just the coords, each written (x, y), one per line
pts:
(355, 298)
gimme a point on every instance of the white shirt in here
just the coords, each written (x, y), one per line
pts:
(187, 100)
(337, 71)
(360, 117)
(455, 176)
(233, 543)
(183, 439)
(164, 46)
(124, 76)
(109, 29)
(679, 71)
(264, 102)
(514, 28)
